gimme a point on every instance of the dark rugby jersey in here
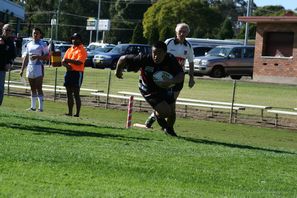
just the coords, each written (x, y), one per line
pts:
(147, 68)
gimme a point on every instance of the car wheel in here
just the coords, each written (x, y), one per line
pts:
(218, 72)
(234, 77)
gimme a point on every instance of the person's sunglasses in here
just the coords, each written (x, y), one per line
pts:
(8, 30)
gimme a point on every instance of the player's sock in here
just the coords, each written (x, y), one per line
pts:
(33, 102)
(150, 120)
(40, 102)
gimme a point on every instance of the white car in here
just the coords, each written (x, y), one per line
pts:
(198, 51)
(94, 45)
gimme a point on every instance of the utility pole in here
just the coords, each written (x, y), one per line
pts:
(58, 16)
(248, 13)
(98, 18)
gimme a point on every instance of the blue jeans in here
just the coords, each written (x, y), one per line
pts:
(2, 82)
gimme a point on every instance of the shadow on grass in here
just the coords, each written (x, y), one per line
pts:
(52, 120)
(77, 133)
(239, 146)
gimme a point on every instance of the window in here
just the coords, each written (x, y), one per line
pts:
(133, 50)
(248, 53)
(278, 44)
(200, 51)
(236, 52)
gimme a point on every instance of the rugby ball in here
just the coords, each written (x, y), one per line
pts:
(161, 76)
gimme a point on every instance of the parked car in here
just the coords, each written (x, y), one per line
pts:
(95, 45)
(198, 51)
(63, 47)
(202, 46)
(227, 60)
(91, 53)
(110, 59)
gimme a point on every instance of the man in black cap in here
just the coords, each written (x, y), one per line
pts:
(74, 61)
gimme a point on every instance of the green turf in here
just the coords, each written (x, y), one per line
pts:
(51, 155)
(275, 95)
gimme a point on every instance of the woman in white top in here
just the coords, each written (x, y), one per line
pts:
(36, 52)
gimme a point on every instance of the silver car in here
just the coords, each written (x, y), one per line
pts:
(227, 60)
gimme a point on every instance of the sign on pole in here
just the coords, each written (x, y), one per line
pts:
(53, 21)
(91, 24)
(104, 25)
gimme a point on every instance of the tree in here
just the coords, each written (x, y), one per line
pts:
(226, 31)
(125, 17)
(137, 36)
(163, 16)
(72, 18)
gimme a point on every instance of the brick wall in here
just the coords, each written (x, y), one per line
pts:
(273, 69)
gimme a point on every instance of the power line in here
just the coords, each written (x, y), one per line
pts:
(148, 2)
(69, 14)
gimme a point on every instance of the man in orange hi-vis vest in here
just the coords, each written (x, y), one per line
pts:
(74, 60)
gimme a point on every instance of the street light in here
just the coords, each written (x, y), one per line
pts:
(248, 13)
(58, 16)
(98, 18)
(53, 22)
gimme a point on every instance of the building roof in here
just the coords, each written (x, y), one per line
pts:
(11, 7)
(268, 19)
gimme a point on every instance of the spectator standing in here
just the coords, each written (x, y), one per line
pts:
(7, 56)
(182, 50)
(162, 100)
(74, 61)
(18, 45)
(36, 52)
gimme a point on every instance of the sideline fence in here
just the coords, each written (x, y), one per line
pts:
(103, 80)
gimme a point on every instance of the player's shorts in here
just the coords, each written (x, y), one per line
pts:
(73, 79)
(154, 98)
(34, 71)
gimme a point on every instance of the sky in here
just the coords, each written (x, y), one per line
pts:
(287, 4)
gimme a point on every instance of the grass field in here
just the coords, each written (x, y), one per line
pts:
(50, 155)
(275, 95)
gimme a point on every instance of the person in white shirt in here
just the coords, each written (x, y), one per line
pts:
(182, 50)
(36, 52)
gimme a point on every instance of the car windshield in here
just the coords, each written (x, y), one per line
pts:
(93, 47)
(219, 51)
(119, 49)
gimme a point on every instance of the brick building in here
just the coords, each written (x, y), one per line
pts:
(275, 48)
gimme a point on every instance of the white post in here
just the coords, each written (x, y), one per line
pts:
(103, 36)
(91, 32)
